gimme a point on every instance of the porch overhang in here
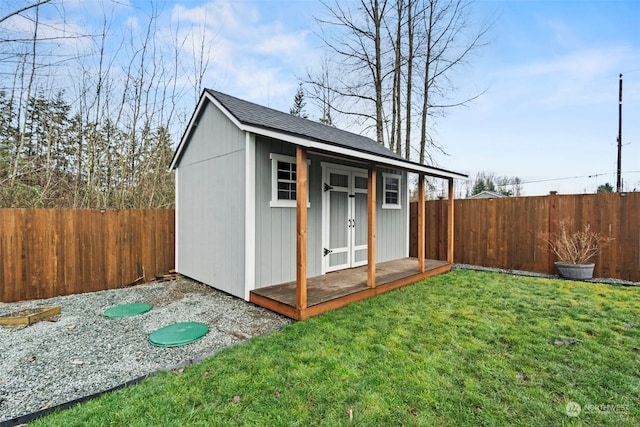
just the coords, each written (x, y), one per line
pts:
(352, 154)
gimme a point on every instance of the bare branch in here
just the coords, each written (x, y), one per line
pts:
(24, 9)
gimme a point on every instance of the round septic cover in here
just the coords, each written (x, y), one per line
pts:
(178, 334)
(126, 310)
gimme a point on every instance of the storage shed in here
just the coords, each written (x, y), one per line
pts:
(292, 214)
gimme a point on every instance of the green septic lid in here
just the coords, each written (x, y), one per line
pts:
(178, 334)
(126, 310)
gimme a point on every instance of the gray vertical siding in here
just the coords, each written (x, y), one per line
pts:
(210, 207)
(210, 204)
(276, 227)
(391, 224)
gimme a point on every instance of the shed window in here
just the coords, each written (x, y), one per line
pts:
(286, 180)
(391, 191)
(283, 181)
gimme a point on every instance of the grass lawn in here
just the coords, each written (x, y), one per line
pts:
(464, 348)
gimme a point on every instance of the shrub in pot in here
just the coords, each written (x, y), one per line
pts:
(574, 250)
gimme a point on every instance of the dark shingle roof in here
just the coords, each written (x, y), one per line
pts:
(256, 115)
(269, 120)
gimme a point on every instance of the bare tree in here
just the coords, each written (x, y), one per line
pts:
(448, 44)
(396, 92)
(29, 88)
(201, 61)
(398, 56)
(361, 50)
(409, 91)
(107, 141)
(23, 9)
(321, 92)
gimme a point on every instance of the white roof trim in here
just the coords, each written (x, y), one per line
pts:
(308, 143)
(349, 152)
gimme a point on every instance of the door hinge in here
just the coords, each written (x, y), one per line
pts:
(327, 187)
(327, 251)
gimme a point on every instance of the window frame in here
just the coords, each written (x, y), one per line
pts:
(275, 201)
(388, 176)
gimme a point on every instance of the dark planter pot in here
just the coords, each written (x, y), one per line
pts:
(575, 271)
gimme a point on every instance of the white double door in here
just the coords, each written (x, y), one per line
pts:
(344, 217)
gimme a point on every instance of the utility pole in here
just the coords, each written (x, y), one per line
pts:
(619, 182)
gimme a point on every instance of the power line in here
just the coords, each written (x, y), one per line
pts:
(575, 177)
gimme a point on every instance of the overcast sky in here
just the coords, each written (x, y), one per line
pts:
(550, 71)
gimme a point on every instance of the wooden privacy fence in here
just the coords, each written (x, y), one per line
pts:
(504, 232)
(50, 252)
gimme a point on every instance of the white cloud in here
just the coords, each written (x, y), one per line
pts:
(132, 23)
(217, 14)
(54, 33)
(250, 56)
(584, 64)
(282, 44)
(580, 77)
(563, 33)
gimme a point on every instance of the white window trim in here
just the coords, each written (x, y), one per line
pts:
(386, 176)
(275, 203)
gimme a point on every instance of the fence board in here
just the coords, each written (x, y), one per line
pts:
(51, 252)
(504, 232)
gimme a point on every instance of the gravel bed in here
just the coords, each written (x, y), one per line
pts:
(548, 276)
(79, 353)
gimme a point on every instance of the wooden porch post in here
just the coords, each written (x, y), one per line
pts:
(371, 228)
(301, 228)
(421, 223)
(450, 223)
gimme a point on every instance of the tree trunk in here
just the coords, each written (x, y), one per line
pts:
(425, 98)
(410, 54)
(377, 22)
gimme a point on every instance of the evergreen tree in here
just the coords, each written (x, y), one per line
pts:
(479, 187)
(8, 135)
(487, 181)
(605, 188)
(326, 118)
(298, 104)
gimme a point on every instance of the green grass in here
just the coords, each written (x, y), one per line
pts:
(465, 348)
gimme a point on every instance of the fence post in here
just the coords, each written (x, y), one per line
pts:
(553, 227)
(450, 223)
(441, 228)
